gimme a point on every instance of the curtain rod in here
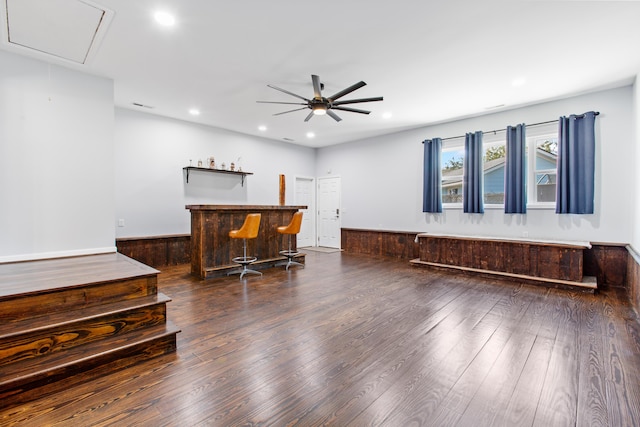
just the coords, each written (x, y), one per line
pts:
(504, 130)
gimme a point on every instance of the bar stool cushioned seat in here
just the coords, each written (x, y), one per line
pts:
(291, 229)
(249, 230)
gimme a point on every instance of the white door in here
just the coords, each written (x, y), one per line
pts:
(329, 212)
(305, 195)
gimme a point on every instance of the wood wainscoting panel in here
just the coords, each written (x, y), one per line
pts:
(633, 278)
(608, 262)
(389, 244)
(552, 261)
(157, 251)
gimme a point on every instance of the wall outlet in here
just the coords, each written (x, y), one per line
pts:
(121, 222)
(525, 234)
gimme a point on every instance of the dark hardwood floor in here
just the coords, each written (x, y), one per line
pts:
(355, 340)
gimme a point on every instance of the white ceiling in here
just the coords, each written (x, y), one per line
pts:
(432, 61)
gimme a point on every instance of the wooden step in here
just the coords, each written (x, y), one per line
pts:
(31, 378)
(44, 335)
(40, 287)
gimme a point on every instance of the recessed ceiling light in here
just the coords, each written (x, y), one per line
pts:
(164, 18)
(387, 115)
(194, 112)
(262, 128)
(310, 134)
(520, 81)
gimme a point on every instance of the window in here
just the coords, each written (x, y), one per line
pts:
(541, 163)
(452, 160)
(542, 176)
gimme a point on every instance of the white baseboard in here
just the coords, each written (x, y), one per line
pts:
(60, 254)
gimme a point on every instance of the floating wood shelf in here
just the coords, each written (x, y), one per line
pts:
(195, 168)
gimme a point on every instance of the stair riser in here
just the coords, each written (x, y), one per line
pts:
(66, 376)
(59, 338)
(71, 298)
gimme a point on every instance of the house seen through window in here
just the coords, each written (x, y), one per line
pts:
(452, 160)
(542, 179)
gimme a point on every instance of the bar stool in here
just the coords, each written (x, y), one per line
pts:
(292, 228)
(249, 230)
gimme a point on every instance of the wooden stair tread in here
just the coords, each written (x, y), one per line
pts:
(25, 278)
(54, 320)
(30, 370)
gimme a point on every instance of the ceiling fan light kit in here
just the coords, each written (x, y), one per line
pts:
(319, 109)
(319, 105)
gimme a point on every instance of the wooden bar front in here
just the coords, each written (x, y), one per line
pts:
(212, 249)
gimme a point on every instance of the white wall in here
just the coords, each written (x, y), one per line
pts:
(151, 192)
(60, 169)
(382, 177)
(56, 161)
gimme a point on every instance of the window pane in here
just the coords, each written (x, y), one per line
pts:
(546, 163)
(546, 187)
(494, 164)
(452, 175)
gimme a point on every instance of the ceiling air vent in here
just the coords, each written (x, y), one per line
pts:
(67, 29)
(137, 104)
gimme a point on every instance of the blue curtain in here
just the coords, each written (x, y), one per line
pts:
(576, 164)
(472, 183)
(515, 194)
(432, 192)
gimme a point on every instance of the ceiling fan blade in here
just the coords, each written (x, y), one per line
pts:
(275, 102)
(346, 91)
(309, 116)
(333, 115)
(355, 101)
(353, 110)
(288, 93)
(291, 111)
(317, 88)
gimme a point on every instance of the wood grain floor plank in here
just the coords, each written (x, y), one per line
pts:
(592, 408)
(558, 399)
(621, 376)
(497, 388)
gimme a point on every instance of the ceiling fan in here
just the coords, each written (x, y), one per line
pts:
(320, 105)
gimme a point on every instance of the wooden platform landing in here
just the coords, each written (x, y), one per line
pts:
(63, 321)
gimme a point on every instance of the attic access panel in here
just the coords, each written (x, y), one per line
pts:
(67, 29)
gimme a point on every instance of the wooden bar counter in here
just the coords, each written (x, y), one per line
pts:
(212, 249)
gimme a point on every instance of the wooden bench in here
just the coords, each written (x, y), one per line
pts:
(556, 263)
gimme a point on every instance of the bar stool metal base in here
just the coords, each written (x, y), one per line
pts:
(244, 261)
(289, 254)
